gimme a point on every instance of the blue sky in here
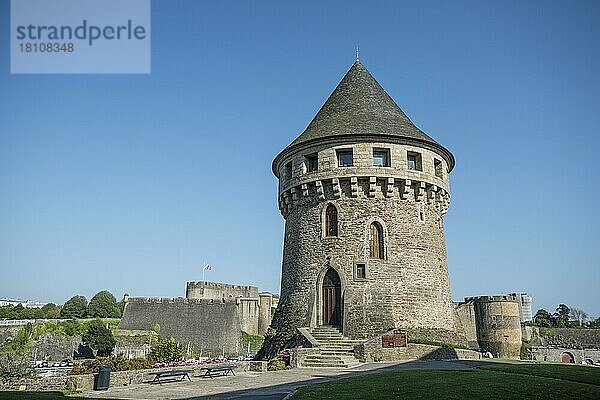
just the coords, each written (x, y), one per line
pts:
(130, 182)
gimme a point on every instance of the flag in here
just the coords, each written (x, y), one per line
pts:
(208, 267)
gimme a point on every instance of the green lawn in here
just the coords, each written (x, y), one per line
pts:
(506, 382)
(568, 372)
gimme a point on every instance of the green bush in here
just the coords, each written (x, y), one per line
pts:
(14, 364)
(166, 350)
(117, 363)
(22, 341)
(276, 364)
(69, 328)
(254, 341)
(99, 338)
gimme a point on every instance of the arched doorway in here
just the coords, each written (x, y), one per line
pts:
(332, 298)
(567, 357)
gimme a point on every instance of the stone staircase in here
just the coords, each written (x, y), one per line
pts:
(336, 350)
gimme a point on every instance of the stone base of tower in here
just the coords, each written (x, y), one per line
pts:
(284, 334)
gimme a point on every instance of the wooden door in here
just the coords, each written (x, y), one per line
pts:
(332, 299)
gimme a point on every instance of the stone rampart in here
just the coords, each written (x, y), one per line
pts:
(207, 325)
(465, 312)
(555, 354)
(218, 291)
(569, 338)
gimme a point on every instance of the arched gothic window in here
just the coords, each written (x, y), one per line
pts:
(331, 221)
(376, 242)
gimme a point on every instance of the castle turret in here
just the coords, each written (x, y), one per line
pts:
(363, 192)
(498, 325)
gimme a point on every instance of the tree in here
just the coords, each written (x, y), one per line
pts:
(75, 307)
(578, 315)
(104, 305)
(51, 311)
(18, 312)
(543, 318)
(166, 350)
(99, 338)
(595, 323)
(562, 315)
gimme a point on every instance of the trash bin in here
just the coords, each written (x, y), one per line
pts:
(103, 380)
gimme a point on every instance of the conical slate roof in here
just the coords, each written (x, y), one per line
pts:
(359, 106)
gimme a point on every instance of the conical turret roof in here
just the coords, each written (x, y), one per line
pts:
(359, 106)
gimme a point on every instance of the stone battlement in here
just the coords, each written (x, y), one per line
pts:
(217, 285)
(217, 291)
(388, 187)
(182, 300)
(510, 297)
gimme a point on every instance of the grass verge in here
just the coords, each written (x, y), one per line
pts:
(453, 384)
(566, 372)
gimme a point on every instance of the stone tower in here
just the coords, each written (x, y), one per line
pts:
(363, 192)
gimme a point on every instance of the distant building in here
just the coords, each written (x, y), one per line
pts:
(525, 302)
(6, 301)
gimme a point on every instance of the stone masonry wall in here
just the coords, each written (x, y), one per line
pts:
(498, 325)
(410, 286)
(207, 325)
(466, 315)
(554, 354)
(218, 291)
(570, 338)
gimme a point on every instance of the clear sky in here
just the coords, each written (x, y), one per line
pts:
(130, 182)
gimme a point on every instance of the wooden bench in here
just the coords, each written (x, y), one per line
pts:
(184, 373)
(218, 370)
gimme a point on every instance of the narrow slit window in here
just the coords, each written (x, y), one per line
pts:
(288, 170)
(437, 164)
(361, 271)
(376, 242)
(331, 221)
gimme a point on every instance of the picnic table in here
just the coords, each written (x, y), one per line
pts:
(183, 373)
(218, 370)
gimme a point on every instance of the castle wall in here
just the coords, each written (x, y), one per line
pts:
(466, 315)
(206, 324)
(249, 314)
(218, 291)
(554, 354)
(264, 312)
(410, 286)
(498, 325)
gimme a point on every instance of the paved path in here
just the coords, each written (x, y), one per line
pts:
(255, 385)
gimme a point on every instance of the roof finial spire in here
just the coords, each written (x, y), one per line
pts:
(357, 59)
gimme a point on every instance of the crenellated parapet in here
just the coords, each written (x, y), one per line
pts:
(509, 297)
(183, 300)
(363, 187)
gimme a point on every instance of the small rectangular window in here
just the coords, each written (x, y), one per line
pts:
(381, 157)
(312, 162)
(437, 164)
(288, 170)
(345, 158)
(361, 271)
(414, 161)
